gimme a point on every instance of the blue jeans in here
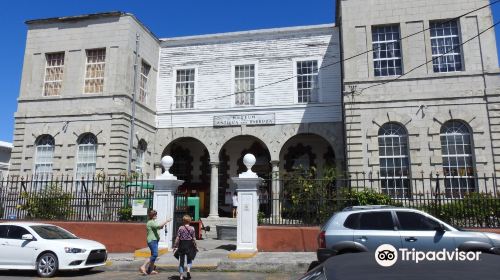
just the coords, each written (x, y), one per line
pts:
(153, 247)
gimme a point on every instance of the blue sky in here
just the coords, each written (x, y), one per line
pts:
(165, 18)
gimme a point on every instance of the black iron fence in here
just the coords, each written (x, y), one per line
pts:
(298, 200)
(463, 202)
(64, 198)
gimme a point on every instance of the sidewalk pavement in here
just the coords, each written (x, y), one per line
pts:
(213, 256)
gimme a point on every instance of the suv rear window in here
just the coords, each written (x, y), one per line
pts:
(380, 220)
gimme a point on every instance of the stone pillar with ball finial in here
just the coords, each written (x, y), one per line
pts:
(247, 184)
(166, 185)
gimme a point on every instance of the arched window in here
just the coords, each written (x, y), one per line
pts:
(44, 156)
(141, 151)
(86, 157)
(458, 164)
(394, 160)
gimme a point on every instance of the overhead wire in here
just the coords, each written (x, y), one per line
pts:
(360, 54)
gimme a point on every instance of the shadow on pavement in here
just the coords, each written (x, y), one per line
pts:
(32, 273)
(229, 247)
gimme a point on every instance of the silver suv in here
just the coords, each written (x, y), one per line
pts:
(364, 228)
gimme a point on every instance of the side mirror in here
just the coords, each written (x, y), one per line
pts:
(28, 237)
(441, 228)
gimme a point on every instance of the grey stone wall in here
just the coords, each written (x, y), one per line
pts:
(421, 100)
(72, 113)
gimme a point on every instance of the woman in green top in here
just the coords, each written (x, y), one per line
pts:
(153, 238)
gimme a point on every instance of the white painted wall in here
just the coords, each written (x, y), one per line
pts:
(274, 53)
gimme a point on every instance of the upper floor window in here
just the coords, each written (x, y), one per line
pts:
(184, 88)
(446, 49)
(44, 155)
(244, 84)
(94, 71)
(458, 166)
(54, 69)
(386, 50)
(307, 81)
(394, 160)
(87, 156)
(141, 151)
(143, 85)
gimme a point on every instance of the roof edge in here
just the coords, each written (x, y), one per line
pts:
(248, 33)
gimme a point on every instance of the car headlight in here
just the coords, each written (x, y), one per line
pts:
(74, 250)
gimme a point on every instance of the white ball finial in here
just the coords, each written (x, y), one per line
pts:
(167, 162)
(249, 161)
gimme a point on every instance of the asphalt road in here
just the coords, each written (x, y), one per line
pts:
(111, 275)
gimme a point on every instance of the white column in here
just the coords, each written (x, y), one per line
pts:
(247, 184)
(163, 200)
(163, 203)
(214, 191)
(276, 190)
(248, 208)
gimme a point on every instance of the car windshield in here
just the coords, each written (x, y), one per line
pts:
(53, 232)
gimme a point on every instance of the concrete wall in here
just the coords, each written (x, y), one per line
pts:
(72, 113)
(421, 100)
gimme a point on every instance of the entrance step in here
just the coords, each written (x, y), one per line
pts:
(213, 222)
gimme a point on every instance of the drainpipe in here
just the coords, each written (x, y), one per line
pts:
(134, 94)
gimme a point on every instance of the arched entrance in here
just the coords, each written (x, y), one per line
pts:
(231, 164)
(304, 151)
(191, 164)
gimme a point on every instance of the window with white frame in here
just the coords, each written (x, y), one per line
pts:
(44, 156)
(307, 81)
(87, 156)
(143, 84)
(94, 71)
(386, 50)
(445, 44)
(458, 164)
(184, 88)
(54, 70)
(244, 84)
(141, 151)
(394, 160)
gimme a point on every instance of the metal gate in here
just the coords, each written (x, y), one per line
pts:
(180, 209)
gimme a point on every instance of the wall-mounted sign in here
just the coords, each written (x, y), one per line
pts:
(235, 120)
(139, 207)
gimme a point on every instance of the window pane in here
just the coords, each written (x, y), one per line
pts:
(394, 160)
(16, 232)
(94, 71)
(244, 81)
(446, 49)
(415, 221)
(457, 156)
(184, 89)
(386, 50)
(376, 221)
(54, 70)
(307, 81)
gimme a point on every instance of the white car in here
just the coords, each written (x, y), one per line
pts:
(46, 248)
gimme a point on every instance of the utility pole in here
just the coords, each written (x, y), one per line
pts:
(134, 94)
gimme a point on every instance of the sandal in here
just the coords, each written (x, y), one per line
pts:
(154, 272)
(143, 271)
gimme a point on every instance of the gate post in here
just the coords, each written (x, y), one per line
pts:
(163, 200)
(247, 184)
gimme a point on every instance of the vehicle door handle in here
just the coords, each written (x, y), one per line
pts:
(411, 239)
(362, 239)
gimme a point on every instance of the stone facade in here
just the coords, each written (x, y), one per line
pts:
(421, 101)
(5, 151)
(72, 113)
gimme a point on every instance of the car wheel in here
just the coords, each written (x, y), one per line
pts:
(47, 265)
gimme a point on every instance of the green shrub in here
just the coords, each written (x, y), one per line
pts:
(52, 203)
(475, 209)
